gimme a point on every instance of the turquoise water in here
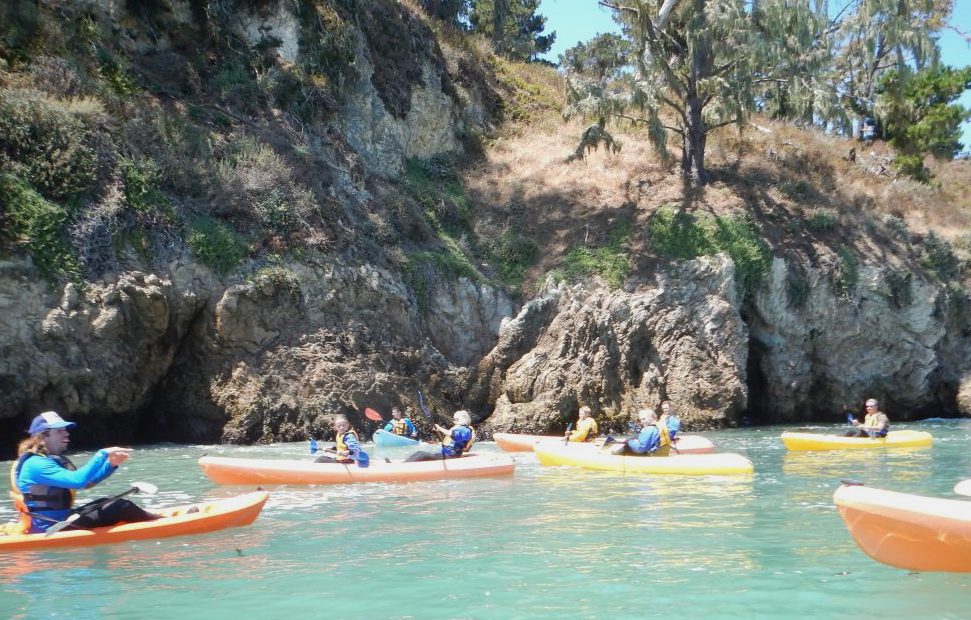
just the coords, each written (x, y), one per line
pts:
(548, 542)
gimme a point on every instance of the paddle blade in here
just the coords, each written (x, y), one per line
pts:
(60, 525)
(363, 460)
(144, 487)
(371, 414)
(849, 418)
(963, 488)
(313, 446)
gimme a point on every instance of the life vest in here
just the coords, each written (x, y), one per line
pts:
(587, 429)
(872, 421)
(666, 420)
(456, 447)
(399, 427)
(342, 445)
(39, 496)
(664, 444)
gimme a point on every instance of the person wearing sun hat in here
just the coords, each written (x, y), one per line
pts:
(43, 481)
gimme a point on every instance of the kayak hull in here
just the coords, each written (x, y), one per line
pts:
(593, 457)
(384, 439)
(513, 442)
(907, 531)
(517, 442)
(894, 439)
(210, 517)
(223, 470)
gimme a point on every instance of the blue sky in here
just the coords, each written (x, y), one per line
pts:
(580, 20)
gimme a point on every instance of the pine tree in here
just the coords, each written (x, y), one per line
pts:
(918, 115)
(514, 27)
(877, 36)
(701, 60)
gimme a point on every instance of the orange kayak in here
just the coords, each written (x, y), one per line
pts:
(210, 517)
(908, 531)
(513, 442)
(224, 470)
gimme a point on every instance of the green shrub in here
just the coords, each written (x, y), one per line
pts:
(215, 243)
(421, 268)
(512, 255)
(40, 226)
(821, 220)
(680, 235)
(43, 142)
(118, 80)
(140, 179)
(611, 261)
(436, 185)
(846, 275)
(937, 256)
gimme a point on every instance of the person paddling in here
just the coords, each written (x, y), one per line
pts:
(652, 440)
(44, 481)
(456, 441)
(876, 424)
(586, 429)
(348, 447)
(401, 425)
(670, 419)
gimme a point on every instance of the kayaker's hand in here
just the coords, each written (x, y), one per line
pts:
(117, 456)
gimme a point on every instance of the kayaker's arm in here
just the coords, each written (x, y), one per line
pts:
(48, 472)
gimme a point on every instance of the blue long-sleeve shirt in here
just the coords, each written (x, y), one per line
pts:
(460, 436)
(647, 441)
(673, 423)
(46, 471)
(410, 430)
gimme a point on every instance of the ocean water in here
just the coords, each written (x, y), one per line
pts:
(548, 542)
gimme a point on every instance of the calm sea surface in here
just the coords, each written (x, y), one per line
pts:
(548, 542)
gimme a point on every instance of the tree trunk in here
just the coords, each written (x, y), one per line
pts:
(693, 156)
(695, 134)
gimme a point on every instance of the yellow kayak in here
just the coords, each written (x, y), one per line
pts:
(593, 457)
(894, 439)
(908, 531)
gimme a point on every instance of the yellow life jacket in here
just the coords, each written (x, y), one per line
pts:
(50, 498)
(586, 430)
(399, 427)
(342, 447)
(665, 435)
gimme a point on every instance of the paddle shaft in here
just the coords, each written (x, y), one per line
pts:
(86, 508)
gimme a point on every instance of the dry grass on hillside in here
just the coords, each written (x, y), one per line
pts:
(787, 179)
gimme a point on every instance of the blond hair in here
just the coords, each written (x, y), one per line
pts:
(462, 417)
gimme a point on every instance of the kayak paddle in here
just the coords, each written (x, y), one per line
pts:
(371, 414)
(569, 427)
(136, 487)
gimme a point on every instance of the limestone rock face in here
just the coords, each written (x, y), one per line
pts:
(683, 340)
(832, 352)
(275, 358)
(93, 352)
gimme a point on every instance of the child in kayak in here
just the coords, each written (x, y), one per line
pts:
(348, 447)
(670, 419)
(456, 441)
(44, 481)
(586, 429)
(401, 425)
